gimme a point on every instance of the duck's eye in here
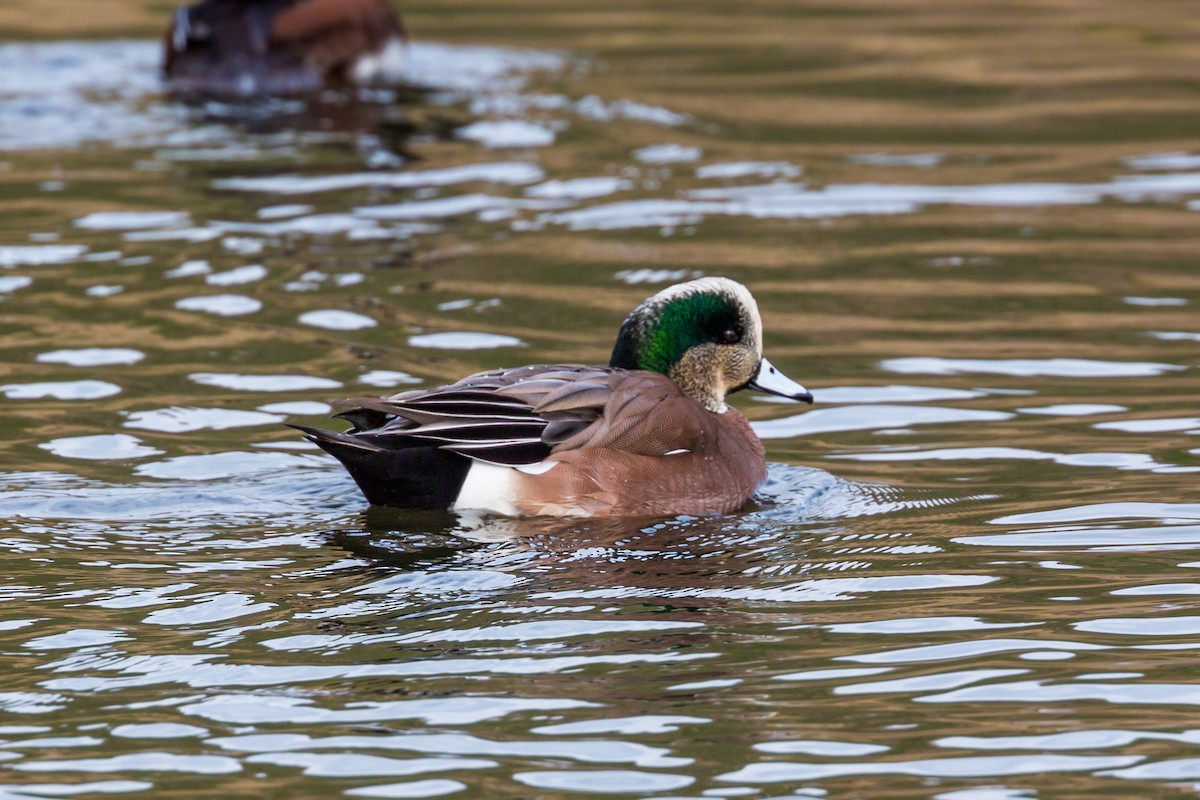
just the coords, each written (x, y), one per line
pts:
(729, 336)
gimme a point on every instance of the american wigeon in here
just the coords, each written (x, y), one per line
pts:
(648, 435)
(249, 48)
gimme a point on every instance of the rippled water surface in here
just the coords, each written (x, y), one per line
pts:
(974, 571)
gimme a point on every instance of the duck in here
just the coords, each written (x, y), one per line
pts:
(649, 435)
(254, 48)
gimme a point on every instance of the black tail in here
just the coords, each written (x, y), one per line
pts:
(413, 474)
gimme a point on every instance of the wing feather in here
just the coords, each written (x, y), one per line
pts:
(511, 417)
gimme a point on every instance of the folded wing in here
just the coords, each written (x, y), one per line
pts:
(509, 417)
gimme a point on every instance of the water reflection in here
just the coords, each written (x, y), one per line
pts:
(994, 594)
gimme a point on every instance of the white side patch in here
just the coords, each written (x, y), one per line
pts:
(385, 65)
(678, 452)
(488, 487)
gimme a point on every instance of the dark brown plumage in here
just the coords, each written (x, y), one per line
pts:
(249, 48)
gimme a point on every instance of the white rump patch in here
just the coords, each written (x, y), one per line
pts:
(385, 65)
(488, 487)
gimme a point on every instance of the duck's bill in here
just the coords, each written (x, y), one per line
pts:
(771, 381)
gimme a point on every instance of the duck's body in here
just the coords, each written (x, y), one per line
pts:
(570, 440)
(251, 48)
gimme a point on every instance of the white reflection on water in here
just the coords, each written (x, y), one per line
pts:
(104, 290)
(138, 762)
(37, 254)
(224, 305)
(823, 747)
(284, 211)
(189, 269)
(1173, 770)
(1176, 160)
(177, 419)
(350, 765)
(386, 378)
(884, 394)
(628, 726)
(923, 625)
(1121, 510)
(502, 172)
(410, 789)
(781, 200)
(132, 220)
(464, 340)
(970, 766)
(869, 417)
(1073, 409)
(214, 466)
(60, 390)
(1157, 589)
(967, 649)
(498, 134)
(1142, 626)
(1183, 694)
(197, 671)
(35, 791)
(1154, 301)
(924, 683)
(594, 751)
(1151, 425)
(667, 154)
(221, 607)
(92, 356)
(80, 637)
(1071, 740)
(100, 447)
(1125, 461)
(298, 407)
(337, 320)
(263, 383)
(434, 711)
(158, 730)
(1027, 367)
(11, 283)
(604, 781)
(634, 277)
(485, 205)
(899, 159)
(578, 188)
(812, 591)
(518, 632)
(748, 169)
(1176, 336)
(239, 275)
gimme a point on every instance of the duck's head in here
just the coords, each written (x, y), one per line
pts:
(706, 335)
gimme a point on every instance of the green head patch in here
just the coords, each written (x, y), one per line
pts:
(658, 332)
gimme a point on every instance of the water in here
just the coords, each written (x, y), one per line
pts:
(972, 574)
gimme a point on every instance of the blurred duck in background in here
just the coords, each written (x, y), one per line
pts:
(253, 48)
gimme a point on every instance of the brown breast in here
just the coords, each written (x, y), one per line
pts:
(624, 469)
